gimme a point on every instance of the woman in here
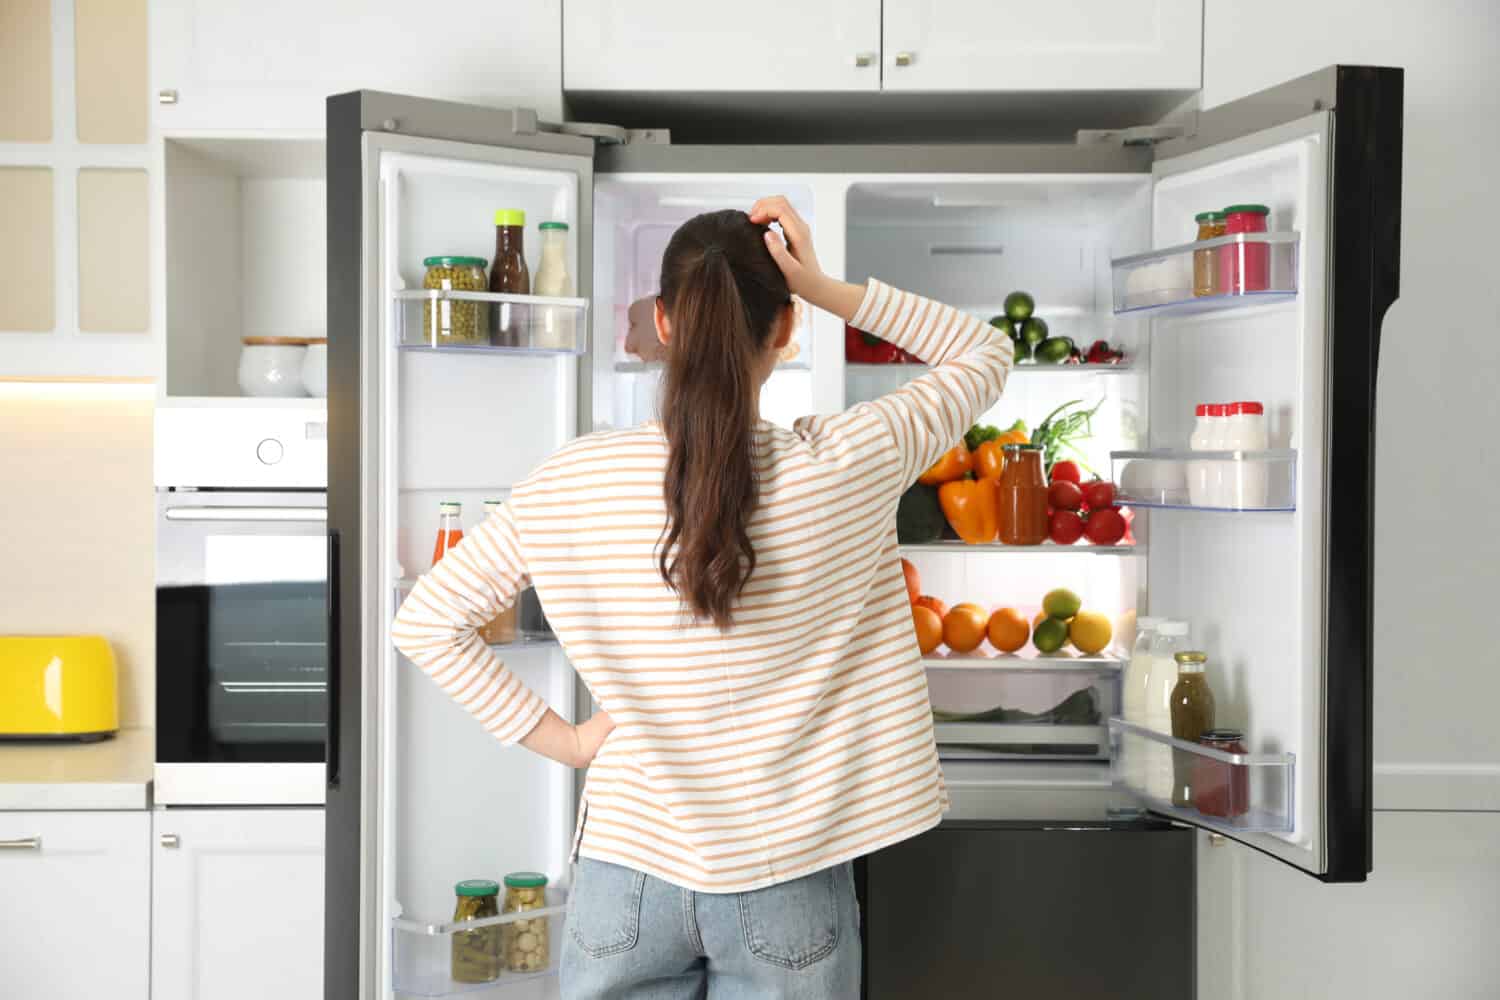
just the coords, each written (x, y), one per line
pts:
(730, 591)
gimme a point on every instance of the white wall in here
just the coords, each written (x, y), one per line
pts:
(1425, 923)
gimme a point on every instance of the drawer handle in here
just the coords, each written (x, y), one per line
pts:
(904, 58)
(863, 59)
(22, 844)
(171, 840)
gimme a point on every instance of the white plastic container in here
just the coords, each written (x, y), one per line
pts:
(1217, 474)
(1133, 693)
(1198, 473)
(1247, 432)
(1171, 638)
(272, 366)
(315, 368)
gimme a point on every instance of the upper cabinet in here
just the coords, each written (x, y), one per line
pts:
(1021, 45)
(272, 64)
(688, 45)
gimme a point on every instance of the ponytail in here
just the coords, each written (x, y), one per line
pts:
(723, 293)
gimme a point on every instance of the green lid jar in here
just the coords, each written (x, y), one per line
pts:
(477, 956)
(477, 887)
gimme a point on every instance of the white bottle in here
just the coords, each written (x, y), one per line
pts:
(555, 328)
(1133, 694)
(1170, 638)
(1217, 474)
(1247, 432)
(1198, 472)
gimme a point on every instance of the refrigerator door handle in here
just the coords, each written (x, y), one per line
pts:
(331, 728)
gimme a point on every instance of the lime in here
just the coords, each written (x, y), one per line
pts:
(1049, 636)
(1019, 305)
(1090, 631)
(1034, 330)
(1005, 324)
(1053, 350)
(1061, 603)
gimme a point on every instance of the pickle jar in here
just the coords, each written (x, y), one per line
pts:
(477, 954)
(454, 321)
(527, 942)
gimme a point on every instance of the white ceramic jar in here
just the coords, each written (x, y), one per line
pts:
(315, 367)
(272, 366)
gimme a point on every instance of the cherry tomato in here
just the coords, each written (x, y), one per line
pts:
(1067, 471)
(1099, 494)
(1066, 527)
(1105, 526)
(1063, 495)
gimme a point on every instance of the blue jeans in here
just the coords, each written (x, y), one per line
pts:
(634, 937)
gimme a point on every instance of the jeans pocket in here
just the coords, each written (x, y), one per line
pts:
(793, 924)
(604, 914)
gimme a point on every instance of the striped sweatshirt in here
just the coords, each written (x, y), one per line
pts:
(802, 736)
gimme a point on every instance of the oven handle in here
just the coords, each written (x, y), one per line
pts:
(331, 730)
(247, 514)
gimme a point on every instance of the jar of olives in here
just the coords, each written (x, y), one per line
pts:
(527, 943)
(477, 954)
(454, 321)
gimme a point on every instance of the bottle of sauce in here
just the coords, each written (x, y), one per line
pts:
(1133, 697)
(1205, 262)
(554, 327)
(1244, 267)
(1221, 788)
(501, 628)
(1192, 706)
(1023, 496)
(508, 275)
(450, 530)
(1170, 639)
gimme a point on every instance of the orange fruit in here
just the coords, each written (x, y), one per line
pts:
(929, 628)
(913, 581)
(928, 601)
(963, 628)
(1008, 630)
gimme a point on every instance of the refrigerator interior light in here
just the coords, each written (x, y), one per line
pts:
(699, 200)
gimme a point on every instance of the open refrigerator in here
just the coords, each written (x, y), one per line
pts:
(1100, 234)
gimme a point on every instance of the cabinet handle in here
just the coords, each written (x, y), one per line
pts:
(904, 58)
(171, 840)
(863, 59)
(166, 97)
(1217, 840)
(22, 844)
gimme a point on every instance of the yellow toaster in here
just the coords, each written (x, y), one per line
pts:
(58, 687)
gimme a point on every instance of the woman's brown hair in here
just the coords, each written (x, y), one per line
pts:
(723, 294)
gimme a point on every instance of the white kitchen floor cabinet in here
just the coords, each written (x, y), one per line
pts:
(237, 904)
(75, 905)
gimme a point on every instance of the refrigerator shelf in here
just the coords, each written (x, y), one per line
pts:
(950, 546)
(1263, 272)
(1207, 480)
(425, 319)
(422, 953)
(912, 370)
(1249, 792)
(1030, 740)
(1027, 662)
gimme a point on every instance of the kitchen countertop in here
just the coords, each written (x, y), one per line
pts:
(110, 774)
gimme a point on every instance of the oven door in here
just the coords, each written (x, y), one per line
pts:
(241, 647)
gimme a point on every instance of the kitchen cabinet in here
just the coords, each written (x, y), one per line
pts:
(75, 917)
(981, 909)
(1013, 45)
(237, 904)
(271, 65)
(682, 45)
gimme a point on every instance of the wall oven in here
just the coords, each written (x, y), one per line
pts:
(242, 615)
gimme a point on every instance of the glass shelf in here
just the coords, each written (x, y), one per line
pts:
(636, 367)
(1242, 793)
(1207, 480)
(910, 371)
(1250, 269)
(1028, 662)
(444, 320)
(952, 545)
(422, 953)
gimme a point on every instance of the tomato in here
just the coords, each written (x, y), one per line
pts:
(1105, 526)
(1063, 495)
(1099, 494)
(1066, 527)
(1067, 471)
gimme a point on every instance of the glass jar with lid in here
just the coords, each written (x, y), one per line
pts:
(528, 945)
(554, 326)
(1022, 512)
(454, 321)
(1192, 708)
(477, 954)
(1245, 267)
(1205, 264)
(1220, 787)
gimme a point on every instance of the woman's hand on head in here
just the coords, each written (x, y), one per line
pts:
(798, 261)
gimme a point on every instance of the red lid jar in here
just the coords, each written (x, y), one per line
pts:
(1245, 267)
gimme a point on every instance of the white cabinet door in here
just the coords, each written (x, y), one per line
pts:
(75, 908)
(237, 899)
(1021, 45)
(688, 45)
(271, 64)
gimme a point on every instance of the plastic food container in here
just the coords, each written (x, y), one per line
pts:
(454, 321)
(528, 946)
(272, 366)
(477, 954)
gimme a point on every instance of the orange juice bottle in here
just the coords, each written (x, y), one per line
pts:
(450, 530)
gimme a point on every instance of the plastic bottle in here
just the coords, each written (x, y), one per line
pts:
(1198, 472)
(1217, 473)
(1171, 637)
(1247, 432)
(1133, 694)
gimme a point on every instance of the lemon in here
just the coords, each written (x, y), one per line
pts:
(1061, 603)
(1049, 636)
(1090, 631)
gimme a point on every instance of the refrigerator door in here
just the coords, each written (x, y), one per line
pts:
(1276, 579)
(428, 403)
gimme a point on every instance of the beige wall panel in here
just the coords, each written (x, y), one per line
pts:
(113, 251)
(26, 70)
(113, 93)
(27, 299)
